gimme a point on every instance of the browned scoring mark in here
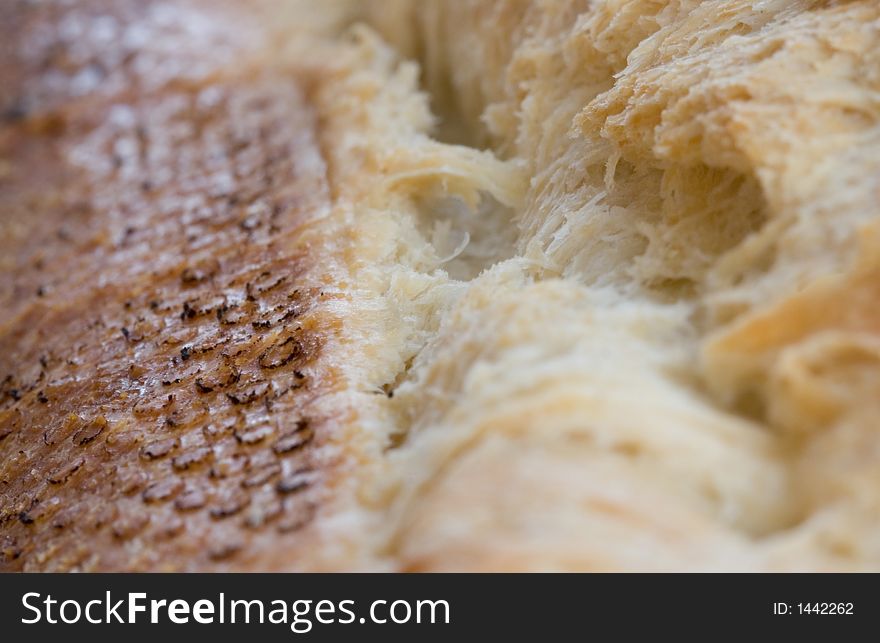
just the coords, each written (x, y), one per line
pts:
(162, 340)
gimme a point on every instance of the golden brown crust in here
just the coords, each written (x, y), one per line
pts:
(163, 333)
(57, 51)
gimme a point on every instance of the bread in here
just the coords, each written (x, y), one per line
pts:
(522, 286)
(171, 328)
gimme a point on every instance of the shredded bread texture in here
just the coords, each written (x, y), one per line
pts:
(669, 359)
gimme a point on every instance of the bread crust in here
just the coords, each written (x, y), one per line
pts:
(168, 332)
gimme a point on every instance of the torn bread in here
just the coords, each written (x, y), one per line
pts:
(471, 285)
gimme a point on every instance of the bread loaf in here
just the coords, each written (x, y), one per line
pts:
(440, 285)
